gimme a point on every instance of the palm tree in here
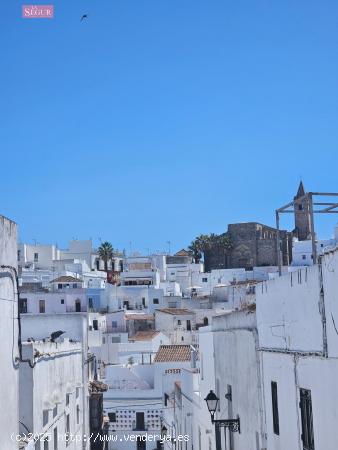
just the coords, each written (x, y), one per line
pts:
(198, 246)
(106, 253)
(205, 242)
(130, 361)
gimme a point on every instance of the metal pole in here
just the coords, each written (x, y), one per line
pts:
(218, 437)
(278, 245)
(225, 438)
(313, 236)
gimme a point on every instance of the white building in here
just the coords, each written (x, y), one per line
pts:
(302, 250)
(297, 318)
(9, 349)
(40, 327)
(178, 324)
(70, 300)
(52, 394)
(138, 396)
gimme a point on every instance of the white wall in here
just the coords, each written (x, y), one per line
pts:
(288, 315)
(76, 327)
(8, 335)
(53, 301)
(237, 365)
(43, 388)
(291, 373)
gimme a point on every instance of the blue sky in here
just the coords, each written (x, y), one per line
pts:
(157, 120)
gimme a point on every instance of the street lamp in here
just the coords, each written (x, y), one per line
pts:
(212, 402)
(164, 431)
(234, 425)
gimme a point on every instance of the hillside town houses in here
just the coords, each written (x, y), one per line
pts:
(165, 352)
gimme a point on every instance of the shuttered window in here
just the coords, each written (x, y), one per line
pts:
(275, 415)
(305, 405)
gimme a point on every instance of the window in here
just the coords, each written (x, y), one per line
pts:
(303, 256)
(90, 303)
(95, 324)
(19, 254)
(22, 305)
(55, 433)
(67, 424)
(275, 415)
(74, 285)
(115, 340)
(77, 305)
(143, 301)
(59, 285)
(55, 411)
(182, 338)
(178, 322)
(77, 392)
(36, 257)
(42, 306)
(67, 399)
(155, 301)
(78, 414)
(140, 425)
(166, 398)
(305, 405)
(204, 280)
(114, 324)
(112, 417)
(188, 325)
(45, 417)
(62, 301)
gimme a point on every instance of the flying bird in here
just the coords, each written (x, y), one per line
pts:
(85, 16)
(55, 335)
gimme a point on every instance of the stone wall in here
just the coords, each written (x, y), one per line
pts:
(253, 245)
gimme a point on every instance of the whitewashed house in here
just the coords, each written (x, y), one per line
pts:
(9, 336)
(302, 250)
(297, 317)
(52, 394)
(59, 302)
(75, 325)
(178, 324)
(138, 396)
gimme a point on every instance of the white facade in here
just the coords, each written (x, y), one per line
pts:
(297, 317)
(178, 324)
(52, 393)
(9, 351)
(302, 250)
(71, 300)
(75, 326)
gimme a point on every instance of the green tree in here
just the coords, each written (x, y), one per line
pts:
(130, 361)
(205, 242)
(106, 253)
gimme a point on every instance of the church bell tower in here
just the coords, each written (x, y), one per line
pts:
(302, 214)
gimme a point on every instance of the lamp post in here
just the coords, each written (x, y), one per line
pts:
(234, 425)
(164, 432)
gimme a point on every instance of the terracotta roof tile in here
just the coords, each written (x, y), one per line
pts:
(144, 335)
(66, 279)
(168, 353)
(176, 311)
(139, 317)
